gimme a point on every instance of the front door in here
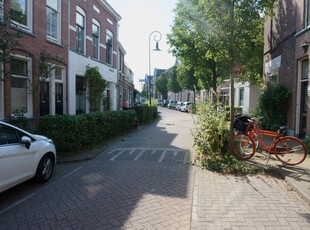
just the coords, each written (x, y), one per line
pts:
(59, 98)
(303, 98)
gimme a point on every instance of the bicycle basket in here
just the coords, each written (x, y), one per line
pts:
(241, 123)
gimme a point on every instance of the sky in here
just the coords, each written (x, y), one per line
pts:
(139, 19)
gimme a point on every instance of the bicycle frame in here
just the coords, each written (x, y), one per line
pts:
(287, 149)
(255, 132)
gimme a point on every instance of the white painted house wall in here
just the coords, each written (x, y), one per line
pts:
(77, 67)
(251, 96)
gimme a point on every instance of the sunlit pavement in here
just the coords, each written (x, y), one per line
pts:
(144, 180)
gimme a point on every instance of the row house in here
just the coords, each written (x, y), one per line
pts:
(246, 96)
(33, 72)
(93, 36)
(125, 85)
(44, 73)
(286, 59)
(129, 93)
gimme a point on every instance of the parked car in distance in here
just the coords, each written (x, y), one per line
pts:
(165, 104)
(171, 104)
(160, 102)
(184, 107)
(24, 156)
(178, 105)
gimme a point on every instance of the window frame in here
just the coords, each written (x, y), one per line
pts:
(241, 96)
(28, 79)
(29, 17)
(304, 81)
(1, 87)
(109, 48)
(96, 49)
(80, 46)
(80, 95)
(1, 10)
(56, 39)
(307, 13)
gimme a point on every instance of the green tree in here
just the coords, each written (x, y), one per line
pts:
(187, 80)
(96, 86)
(204, 32)
(161, 85)
(228, 33)
(173, 84)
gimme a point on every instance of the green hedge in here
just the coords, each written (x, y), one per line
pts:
(146, 113)
(73, 133)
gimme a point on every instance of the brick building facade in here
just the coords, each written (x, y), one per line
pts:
(43, 40)
(65, 36)
(286, 58)
(93, 41)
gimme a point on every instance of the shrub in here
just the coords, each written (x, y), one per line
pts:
(272, 106)
(211, 135)
(211, 141)
(73, 133)
(146, 113)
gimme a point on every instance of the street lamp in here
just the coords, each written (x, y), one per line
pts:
(156, 39)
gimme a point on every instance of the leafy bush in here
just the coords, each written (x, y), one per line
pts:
(146, 113)
(192, 108)
(272, 106)
(73, 133)
(211, 141)
(211, 134)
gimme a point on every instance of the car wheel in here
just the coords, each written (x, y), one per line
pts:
(45, 168)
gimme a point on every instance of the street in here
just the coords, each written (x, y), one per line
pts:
(145, 180)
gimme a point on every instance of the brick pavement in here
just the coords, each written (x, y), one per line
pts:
(114, 191)
(142, 181)
(248, 202)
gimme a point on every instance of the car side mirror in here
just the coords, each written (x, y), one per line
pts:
(26, 141)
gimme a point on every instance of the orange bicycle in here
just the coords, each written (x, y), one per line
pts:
(287, 149)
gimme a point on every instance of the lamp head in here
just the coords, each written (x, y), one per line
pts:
(305, 47)
(157, 47)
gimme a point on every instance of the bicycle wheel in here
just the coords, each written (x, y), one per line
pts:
(244, 146)
(290, 150)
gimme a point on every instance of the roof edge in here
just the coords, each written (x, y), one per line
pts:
(110, 8)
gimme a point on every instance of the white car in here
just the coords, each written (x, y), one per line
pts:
(178, 105)
(184, 107)
(24, 156)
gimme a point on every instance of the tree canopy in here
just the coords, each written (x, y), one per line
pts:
(208, 35)
(161, 85)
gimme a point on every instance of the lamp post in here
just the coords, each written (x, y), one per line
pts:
(156, 39)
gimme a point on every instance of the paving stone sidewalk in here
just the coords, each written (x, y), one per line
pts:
(141, 181)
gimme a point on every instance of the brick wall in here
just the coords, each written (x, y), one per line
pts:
(89, 8)
(284, 35)
(31, 45)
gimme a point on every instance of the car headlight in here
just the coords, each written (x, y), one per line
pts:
(50, 141)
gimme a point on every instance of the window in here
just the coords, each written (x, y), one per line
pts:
(95, 33)
(1, 87)
(7, 136)
(80, 95)
(53, 20)
(241, 97)
(80, 31)
(109, 47)
(303, 98)
(21, 94)
(21, 13)
(1, 10)
(307, 12)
